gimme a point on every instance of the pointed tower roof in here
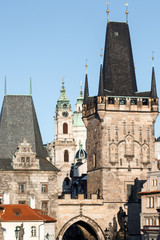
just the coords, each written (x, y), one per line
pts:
(86, 90)
(118, 66)
(153, 85)
(101, 86)
(80, 98)
(18, 120)
(63, 101)
(63, 97)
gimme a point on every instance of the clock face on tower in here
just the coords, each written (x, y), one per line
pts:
(65, 114)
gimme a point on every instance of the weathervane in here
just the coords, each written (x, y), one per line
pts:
(126, 12)
(153, 59)
(86, 65)
(101, 55)
(107, 12)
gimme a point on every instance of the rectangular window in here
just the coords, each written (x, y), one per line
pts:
(157, 221)
(147, 221)
(44, 188)
(45, 206)
(158, 201)
(33, 231)
(150, 202)
(122, 101)
(110, 100)
(120, 161)
(145, 101)
(21, 188)
(21, 202)
(133, 101)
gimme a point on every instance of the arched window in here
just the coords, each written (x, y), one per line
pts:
(65, 128)
(33, 231)
(66, 156)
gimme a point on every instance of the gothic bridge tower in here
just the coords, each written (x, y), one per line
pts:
(120, 122)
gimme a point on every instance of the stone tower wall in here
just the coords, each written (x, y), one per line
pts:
(120, 145)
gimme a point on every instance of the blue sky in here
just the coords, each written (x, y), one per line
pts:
(48, 39)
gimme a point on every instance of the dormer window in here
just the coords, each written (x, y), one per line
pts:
(17, 212)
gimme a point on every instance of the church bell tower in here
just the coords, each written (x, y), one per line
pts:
(64, 146)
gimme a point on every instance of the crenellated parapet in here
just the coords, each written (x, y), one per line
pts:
(80, 200)
(120, 103)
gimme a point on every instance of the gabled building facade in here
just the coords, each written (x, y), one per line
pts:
(26, 175)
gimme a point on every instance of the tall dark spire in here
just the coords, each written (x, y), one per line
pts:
(101, 86)
(118, 66)
(86, 90)
(153, 83)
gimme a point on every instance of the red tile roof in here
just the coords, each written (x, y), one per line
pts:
(22, 212)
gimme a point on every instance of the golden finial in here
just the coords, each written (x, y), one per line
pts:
(153, 59)
(107, 12)
(126, 12)
(81, 92)
(101, 55)
(86, 65)
(62, 79)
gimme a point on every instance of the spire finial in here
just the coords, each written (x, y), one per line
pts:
(153, 59)
(30, 86)
(126, 12)
(63, 80)
(107, 12)
(5, 87)
(86, 65)
(101, 55)
(81, 91)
